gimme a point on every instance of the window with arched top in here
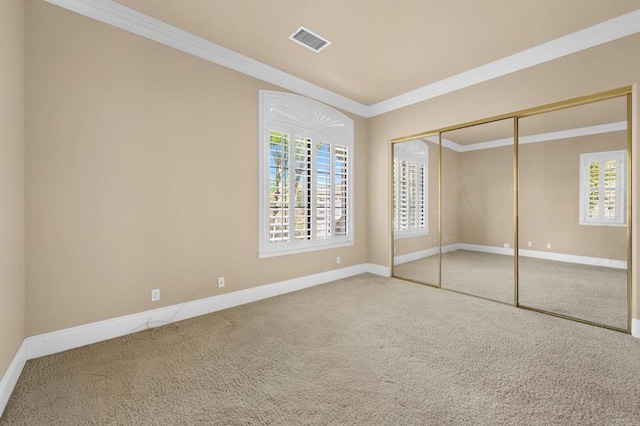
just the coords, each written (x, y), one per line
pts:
(306, 175)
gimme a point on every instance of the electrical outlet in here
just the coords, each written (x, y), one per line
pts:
(507, 245)
(529, 244)
(220, 282)
(155, 294)
(338, 260)
(446, 239)
(549, 245)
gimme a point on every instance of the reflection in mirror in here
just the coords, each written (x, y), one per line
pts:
(478, 211)
(415, 221)
(572, 212)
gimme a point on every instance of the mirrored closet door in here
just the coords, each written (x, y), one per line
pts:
(478, 210)
(573, 212)
(531, 210)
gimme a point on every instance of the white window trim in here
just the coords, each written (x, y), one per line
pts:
(424, 160)
(290, 112)
(585, 159)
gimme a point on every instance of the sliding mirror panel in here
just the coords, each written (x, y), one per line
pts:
(478, 210)
(573, 212)
(415, 207)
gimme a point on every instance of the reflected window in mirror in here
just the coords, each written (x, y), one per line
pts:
(410, 169)
(603, 188)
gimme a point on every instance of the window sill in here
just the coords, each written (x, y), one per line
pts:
(603, 224)
(410, 235)
(264, 255)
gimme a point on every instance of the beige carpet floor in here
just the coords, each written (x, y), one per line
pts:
(481, 274)
(361, 351)
(586, 292)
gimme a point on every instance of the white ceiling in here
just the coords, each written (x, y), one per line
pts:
(381, 48)
(385, 54)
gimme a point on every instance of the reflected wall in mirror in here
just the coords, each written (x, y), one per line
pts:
(573, 212)
(415, 207)
(478, 210)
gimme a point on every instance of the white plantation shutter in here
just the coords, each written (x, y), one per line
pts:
(603, 188)
(279, 185)
(309, 188)
(410, 194)
(307, 179)
(332, 190)
(301, 181)
(341, 190)
(323, 191)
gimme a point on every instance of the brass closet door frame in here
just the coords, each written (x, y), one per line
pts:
(516, 116)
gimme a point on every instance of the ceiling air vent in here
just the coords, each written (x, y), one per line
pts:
(309, 39)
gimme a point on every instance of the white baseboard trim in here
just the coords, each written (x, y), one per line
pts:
(75, 337)
(570, 258)
(70, 338)
(451, 247)
(416, 255)
(635, 328)
(558, 257)
(383, 271)
(484, 249)
(11, 376)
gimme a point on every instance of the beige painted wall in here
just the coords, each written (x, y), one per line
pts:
(485, 197)
(450, 202)
(12, 291)
(128, 141)
(583, 73)
(142, 173)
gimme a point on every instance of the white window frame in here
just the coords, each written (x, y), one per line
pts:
(301, 116)
(620, 157)
(412, 152)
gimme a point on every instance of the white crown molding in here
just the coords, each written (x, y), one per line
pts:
(574, 133)
(445, 143)
(542, 137)
(607, 31)
(551, 136)
(117, 15)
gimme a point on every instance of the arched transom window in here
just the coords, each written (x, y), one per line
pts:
(306, 175)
